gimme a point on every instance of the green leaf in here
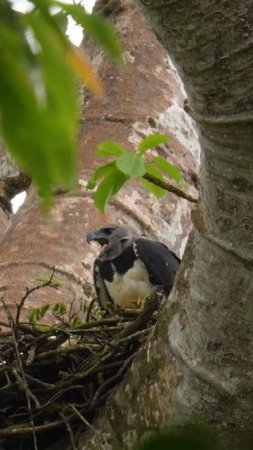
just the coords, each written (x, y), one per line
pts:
(76, 321)
(31, 316)
(152, 141)
(108, 188)
(57, 283)
(98, 312)
(83, 306)
(167, 167)
(102, 171)
(53, 283)
(156, 190)
(43, 278)
(109, 148)
(59, 309)
(61, 21)
(131, 164)
(151, 170)
(43, 310)
(152, 187)
(97, 28)
(36, 314)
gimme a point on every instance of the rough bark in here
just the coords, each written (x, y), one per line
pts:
(138, 98)
(198, 364)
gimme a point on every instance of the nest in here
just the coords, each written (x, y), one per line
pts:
(56, 379)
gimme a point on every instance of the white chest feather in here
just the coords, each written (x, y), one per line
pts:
(128, 289)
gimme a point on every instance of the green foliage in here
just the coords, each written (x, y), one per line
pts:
(131, 164)
(51, 282)
(184, 438)
(38, 89)
(128, 165)
(152, 141)
(59, 309)
(156, 190)
(109, 187)
(97, 312)
(75, 321)
(101, 172)
(109, 148)
(168, 168)
(36, 314)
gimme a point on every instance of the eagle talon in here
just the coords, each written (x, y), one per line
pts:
(130, 268)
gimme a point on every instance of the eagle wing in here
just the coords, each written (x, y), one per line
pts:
(161, 264)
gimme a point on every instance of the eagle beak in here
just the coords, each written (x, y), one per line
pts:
(91, 236)
(97, 236)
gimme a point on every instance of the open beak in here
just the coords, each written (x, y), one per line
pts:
(97, 237)
(91, 236)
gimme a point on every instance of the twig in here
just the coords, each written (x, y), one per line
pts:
(131, 336)
(39, 382)
(69, 429)
(5, 371)
(170, 188)
(22, 380)
(31, 355)
(4, 324)
(27, 293)
(89, 310)
(23, 384)
(63, 351)
(141, 321)
(113, 379)
(85, 421)
(24, 430)
(99, 323)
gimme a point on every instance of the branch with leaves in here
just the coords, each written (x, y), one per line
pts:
(150, 171)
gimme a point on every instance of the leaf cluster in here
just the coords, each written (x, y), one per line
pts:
(110, 177)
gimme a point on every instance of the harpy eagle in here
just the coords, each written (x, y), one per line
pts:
(130, 267)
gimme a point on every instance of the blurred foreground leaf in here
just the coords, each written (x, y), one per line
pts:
(38, 89)
(96, 27)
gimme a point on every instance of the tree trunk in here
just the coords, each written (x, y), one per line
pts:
(198, 364)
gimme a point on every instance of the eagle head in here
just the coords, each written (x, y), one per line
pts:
(113, 240)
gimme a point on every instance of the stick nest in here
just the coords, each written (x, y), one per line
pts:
(57, 378)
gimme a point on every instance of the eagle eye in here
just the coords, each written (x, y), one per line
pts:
(108, 231)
